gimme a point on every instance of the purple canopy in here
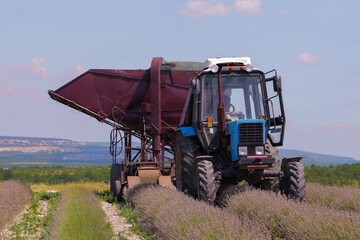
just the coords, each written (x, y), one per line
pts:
(118, 95)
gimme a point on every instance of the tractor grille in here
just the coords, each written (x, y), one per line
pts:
(251, 133)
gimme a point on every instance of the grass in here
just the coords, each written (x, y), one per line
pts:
(131, 217)
(126, 211)
(99, 186)
(79, 216)
(53, 200)
(56, 175)
(13, 198)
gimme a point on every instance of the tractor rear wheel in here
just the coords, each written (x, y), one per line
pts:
(115, 180)
(293, 182)
(186, 150)
(206, 185)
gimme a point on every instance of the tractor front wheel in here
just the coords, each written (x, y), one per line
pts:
(293, 182)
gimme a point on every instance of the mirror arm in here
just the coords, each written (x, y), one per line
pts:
(274, 70)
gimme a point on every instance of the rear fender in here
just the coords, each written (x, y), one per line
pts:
(287, 160)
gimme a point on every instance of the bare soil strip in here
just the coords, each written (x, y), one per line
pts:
(117, 222)
(5, 233)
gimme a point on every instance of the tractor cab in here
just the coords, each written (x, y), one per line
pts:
(233, 111)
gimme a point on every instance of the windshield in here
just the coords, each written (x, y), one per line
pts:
(242, 96)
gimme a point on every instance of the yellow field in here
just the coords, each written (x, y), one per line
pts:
(99, 186)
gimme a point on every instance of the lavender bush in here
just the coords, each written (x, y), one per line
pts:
(13, 198)
(173, 215)
(291, 220)
(339, 198)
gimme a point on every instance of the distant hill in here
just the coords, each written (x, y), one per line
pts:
(33, 145)
(27, 151)
(317, 158)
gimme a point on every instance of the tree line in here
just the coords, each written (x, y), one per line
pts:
(340, 175)
(56, 175)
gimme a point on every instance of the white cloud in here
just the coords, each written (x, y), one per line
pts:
(205, 8)
(285, 12)
(202, 8)
(308, 58)
(77, 69)
(334, 138)
(32, 92)
(354, 104)
(28, 92)
(72, 73)
(247, 7)
(34, 67)
(10, 91)
(14, 69)
(351, 128)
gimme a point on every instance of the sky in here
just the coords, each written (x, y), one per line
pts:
(313, 45)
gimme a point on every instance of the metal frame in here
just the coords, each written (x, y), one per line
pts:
(157, 160)
(152, 152)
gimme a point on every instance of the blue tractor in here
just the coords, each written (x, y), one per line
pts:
(232, 123)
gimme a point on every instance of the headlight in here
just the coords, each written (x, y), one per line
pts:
(214, 68)
(242, 151)
(259, 150)
(249, 68)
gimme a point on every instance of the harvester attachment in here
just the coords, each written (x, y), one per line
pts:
(146, 104)
(148, 175)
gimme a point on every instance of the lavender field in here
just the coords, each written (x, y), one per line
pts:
(13, 198)
(247, 213)
(241, 212)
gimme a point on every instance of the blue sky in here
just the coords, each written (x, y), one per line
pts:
(314, 45)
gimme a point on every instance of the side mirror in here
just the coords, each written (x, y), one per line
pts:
(277, 83)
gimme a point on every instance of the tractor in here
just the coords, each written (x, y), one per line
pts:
(232, 122)
(200, 126)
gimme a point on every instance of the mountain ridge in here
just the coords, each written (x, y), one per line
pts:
(25, 151)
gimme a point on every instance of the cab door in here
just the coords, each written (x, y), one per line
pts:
(276, 107)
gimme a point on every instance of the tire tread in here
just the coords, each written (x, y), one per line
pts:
(295, 184)
(207, 186)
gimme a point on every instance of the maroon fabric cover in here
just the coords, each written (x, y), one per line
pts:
(119, 94)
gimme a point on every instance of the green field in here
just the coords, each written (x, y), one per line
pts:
(340, 175)
(56, 174)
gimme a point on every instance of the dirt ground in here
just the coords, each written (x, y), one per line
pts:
(120, 228)
(8, 233)
(118, 223)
